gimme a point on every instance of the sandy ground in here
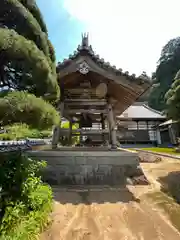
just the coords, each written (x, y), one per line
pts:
(112, 214)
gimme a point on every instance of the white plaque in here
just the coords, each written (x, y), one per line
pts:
(83, 68)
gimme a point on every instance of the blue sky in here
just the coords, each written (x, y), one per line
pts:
(127, 33)
(64, 32)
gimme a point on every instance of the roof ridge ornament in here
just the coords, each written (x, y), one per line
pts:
(85, 40)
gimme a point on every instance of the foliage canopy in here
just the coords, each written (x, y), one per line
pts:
(43, 79)
(33, 8)
(173, 99)
(168, 66)
(26, 108)
(27, 56)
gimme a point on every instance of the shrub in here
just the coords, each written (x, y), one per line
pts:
(22, 131)
(25, 202)
(75, 139)
(26, 108)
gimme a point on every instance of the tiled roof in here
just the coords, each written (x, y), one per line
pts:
(85, 48)
(141, 110)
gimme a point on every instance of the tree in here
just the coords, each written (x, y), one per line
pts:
(33, 8)
(173, 99)
(27, 58)
(22, 107)
(168, 66)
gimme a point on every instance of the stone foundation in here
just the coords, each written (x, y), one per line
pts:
(88, 167)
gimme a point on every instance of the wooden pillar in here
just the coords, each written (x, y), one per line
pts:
(55, 136)
(70, 131)
(61, 107)
(112, 126)
(103, 127)
(147, 124)
(80, 136)
(137, 125)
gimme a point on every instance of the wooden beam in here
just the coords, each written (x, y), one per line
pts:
(85, 100)
(79, 90)
(85, 103)
(65, 132)
(79, 111)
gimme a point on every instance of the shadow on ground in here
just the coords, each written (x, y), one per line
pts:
(170, 184)
(88, 195)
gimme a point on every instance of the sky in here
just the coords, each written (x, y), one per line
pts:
(129, 34)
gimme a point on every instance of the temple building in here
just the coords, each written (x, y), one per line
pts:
(139, 124)
(96, 96)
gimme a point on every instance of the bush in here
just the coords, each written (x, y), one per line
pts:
(26, 108)
(25, 202)
(75, 139)
(22, 131)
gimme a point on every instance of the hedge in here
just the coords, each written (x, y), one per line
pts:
(22, 107)
(21, 131)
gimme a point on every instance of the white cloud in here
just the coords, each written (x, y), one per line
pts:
(128, 33)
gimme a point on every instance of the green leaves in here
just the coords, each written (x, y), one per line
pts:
(17, 47)
(173, 100)
(20, 131)
(33, 8)
(26, 108)
(27, 56)
(75, 139)
(27, 202)
(30, 28)
(168, 66)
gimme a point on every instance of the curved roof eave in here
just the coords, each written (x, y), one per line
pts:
(86, 50)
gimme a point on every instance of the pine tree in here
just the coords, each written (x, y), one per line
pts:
(27, 58)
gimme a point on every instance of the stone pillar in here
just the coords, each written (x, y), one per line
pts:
(112, 126)
(70, 132)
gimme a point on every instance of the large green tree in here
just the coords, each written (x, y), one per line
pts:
(22, 107)
(27, 58)
(167, 68)
(173, 99)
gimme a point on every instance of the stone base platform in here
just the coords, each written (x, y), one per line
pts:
(88, 167)
(84, 149)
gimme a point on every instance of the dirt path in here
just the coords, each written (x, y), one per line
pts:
(111, 214)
